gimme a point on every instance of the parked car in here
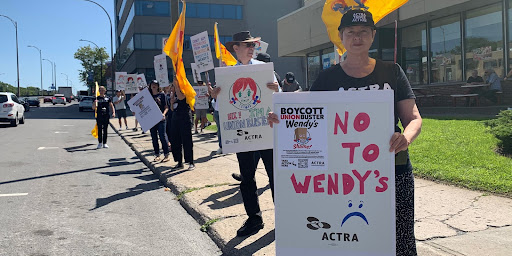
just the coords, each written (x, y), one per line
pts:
(85, 103)
(33, 102)
(47, 99)
(11, 109)
(25, 104)
(59, 99)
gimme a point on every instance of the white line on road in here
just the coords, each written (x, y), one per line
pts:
(15, 194)
(61, 132)
(69, 125)
(41, 148)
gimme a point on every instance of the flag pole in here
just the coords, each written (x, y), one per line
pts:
(396, 42)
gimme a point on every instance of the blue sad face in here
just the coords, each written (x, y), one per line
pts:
(354, 214)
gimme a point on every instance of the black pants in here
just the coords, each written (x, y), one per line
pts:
(102, 122)
(168, 126)
(181, 137)
(247, 165)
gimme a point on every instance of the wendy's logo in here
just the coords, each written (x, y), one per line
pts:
(244, 94)
(302, 136)
(343, 7)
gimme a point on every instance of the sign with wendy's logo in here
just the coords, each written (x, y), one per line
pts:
(244, 103)
(333, 173)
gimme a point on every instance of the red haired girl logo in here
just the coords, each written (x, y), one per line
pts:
(245, 93)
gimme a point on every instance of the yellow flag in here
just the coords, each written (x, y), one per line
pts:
(220, 50)
(94, 131)
(174, 49)
(334, 10)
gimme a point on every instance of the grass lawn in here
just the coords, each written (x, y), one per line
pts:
(461, 152)
(212, 127)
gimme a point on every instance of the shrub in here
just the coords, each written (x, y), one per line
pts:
(501, 128)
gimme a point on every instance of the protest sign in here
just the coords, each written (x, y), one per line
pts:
(260, 47)
(334, 175)
(201, 97)
(202, 52)
(131, 84)
(121, 79)
(146, 111)
(244, 102)
(195, 74)
(141, 81)
(161, 73)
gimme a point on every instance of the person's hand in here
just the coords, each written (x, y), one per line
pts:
(163, 117)
(272, 119)
(215, 92)
(273, 86)
(398, 143)
(113, 115)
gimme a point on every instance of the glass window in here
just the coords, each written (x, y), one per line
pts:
(229, 11)
(446, 50)
(159, 41)
(123, 57)
(203, 11)
(328, 58)
(147, 41)
(186, 43)
(121, 10)
(152, 8)
(127, 23)
(150, 74)
(191, 10)
(313, 68)
(414, 53)
(216, 11)
(239, 12)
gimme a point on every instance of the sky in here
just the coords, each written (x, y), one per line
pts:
(55, 27)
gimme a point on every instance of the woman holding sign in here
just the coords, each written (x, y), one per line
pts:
(360, 72)
(159, 128)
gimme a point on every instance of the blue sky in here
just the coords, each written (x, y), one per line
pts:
(55, 27)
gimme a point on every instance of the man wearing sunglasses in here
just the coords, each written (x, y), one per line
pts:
(243, 45)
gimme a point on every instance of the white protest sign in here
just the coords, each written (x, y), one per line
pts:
(164, 41)
(121, 79)
(109, 84)
(195, 74)
(202, 52)
(260, 47)
(131, 84)
(334, 175)
(146, 111)
(244, 102)
(141, 81)
(161, 73)
(201, 97)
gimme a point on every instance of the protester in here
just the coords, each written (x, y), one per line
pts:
(120, 107)
(159, 129)
(265, 57)
(181, 134)
(290, 84)
(133, 113)
(243, 45)
(169, 93)
(361, 71)
(101, 107)
(200, 114)
(216, 117)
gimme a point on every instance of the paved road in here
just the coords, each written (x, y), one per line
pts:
(61, 196)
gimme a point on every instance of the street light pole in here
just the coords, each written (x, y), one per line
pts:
(112, 74)
(101, 60)
(53, 71)
(41, 64)
(17, 55)
(67, 80)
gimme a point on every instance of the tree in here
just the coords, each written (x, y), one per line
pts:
(91, 59)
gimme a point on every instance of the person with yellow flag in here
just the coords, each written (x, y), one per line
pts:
(101, 106)
(356, 31)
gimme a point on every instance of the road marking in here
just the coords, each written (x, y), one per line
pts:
(15, 194)
(69, 125)
(61, 132)
(41, 148)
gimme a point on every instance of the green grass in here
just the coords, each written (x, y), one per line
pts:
(212, 127)
(461, 152)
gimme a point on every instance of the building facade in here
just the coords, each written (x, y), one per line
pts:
(142, 25)
(439, 42)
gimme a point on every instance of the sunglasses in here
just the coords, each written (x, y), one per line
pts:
(250, 44)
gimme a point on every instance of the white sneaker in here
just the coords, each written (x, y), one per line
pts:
(105, 145)
(191, 167)
(127, 128)
(219, 151)
(99, 146)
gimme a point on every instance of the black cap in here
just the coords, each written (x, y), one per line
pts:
(265, 57)
(290, 77)
(357, 18)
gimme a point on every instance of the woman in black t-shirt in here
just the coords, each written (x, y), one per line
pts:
(159, 128)
(181, 130)
(101, 107)
(360, 72)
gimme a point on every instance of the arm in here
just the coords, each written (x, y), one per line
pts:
(113, 109)
(179, 93)
(411, 121)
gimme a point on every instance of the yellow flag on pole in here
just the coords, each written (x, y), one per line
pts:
(94, 131)
(174, 49)
(334, 10)
(221, 52)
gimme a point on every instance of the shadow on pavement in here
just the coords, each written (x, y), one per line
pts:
(234, 199)
(137, 190)
(250, 249)
(79, 148)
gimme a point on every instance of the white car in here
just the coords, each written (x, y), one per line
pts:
(85, 103)
(11, 109)
(59, 99)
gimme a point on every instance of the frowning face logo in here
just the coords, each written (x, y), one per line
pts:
(355, 213)
(315, 224)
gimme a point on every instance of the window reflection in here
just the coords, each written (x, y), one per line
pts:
(313, 68)
(446, 50)
(414, 53)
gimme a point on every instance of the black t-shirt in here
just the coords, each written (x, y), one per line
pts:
(181, 107)
(160, 101)
(477, 79)
(385, 76)
(103, 108)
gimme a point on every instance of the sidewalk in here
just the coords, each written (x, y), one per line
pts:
(449, 220)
